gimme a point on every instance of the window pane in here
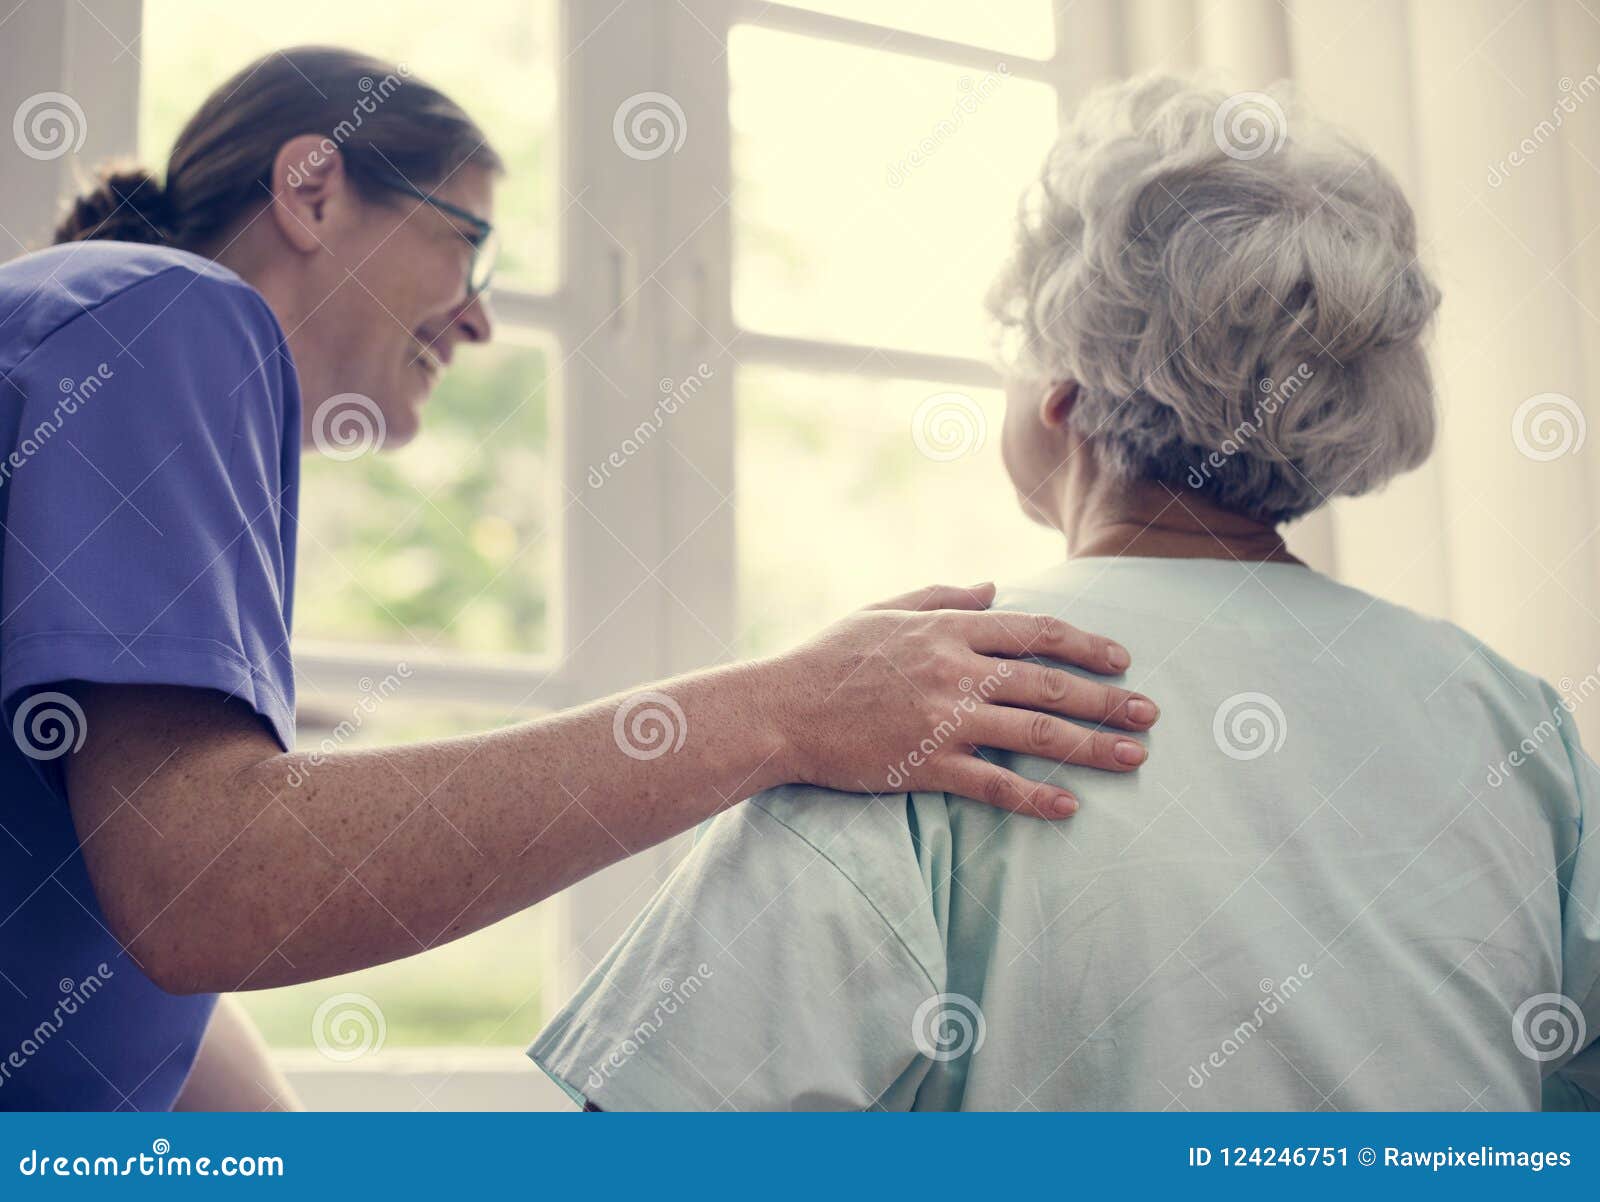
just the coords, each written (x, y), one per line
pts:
(877, 210)
(900, 483)
(483, 989)
(1019, 26)
(448, 543)
(499, 63)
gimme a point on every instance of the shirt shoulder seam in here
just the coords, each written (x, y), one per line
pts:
(233, 285)
(834, 864)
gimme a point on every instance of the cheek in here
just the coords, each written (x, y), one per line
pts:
(403, 277)
(1015, 449)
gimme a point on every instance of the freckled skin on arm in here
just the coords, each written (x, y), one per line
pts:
(224, 863)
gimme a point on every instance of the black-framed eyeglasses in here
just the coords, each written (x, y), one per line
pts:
(483, 239)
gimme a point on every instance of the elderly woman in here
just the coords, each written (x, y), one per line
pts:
(1336, 885)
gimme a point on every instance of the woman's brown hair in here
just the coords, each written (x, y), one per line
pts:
(386, 124)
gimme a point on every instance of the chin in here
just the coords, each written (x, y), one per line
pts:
(402, 421)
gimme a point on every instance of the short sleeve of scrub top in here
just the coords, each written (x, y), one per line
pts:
(149, 531)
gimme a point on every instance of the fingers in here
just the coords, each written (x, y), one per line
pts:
(1040, 634)
(1042, 688)
(942, 596)
(993, 785)
(1032, 733)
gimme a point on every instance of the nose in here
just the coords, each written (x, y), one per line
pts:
(476, 318)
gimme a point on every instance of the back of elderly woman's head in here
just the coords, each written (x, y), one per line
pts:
(1235, 294)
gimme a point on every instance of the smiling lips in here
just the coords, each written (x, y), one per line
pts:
(430, 361)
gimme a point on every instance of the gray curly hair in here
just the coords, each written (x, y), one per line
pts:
(1240, 305)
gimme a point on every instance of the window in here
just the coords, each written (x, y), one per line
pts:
(742, 384)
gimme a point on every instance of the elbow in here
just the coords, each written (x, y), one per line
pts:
(169, 955)
(163, 928)
(176, 973)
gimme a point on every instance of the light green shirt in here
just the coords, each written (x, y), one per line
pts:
(1351, 875)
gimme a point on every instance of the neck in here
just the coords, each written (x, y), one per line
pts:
(1162, 522)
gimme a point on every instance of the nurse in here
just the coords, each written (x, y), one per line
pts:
(160, 840)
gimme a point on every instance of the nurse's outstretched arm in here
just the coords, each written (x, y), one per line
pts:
(224, 863)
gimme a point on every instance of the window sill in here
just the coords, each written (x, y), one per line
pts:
(422, 1079)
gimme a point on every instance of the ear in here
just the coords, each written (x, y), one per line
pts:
(1056, 406)
(310, 191)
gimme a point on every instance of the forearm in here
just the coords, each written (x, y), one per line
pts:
(355, 858)
(225, 864)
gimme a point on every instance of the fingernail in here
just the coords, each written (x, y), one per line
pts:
(981, 584)
(1064, 805)
(1117, 657)
(1142, 710)
(1128, 752)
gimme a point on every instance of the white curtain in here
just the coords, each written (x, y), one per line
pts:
(1488, 112)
